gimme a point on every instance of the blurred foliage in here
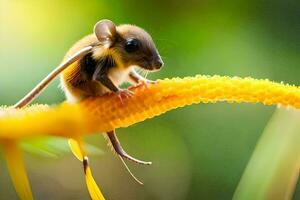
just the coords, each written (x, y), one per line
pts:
(54, 147)
(199, 151)
(275, 161)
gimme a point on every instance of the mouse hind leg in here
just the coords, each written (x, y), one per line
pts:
(120, 151)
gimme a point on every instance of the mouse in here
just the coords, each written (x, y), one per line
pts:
(99, 64)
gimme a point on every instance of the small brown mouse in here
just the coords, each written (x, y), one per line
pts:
(117, 51)
(108, 58)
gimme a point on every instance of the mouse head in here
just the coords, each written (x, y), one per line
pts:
(133, 44)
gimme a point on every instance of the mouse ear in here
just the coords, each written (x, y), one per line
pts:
(105, 31)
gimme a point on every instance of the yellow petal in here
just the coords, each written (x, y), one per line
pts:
(92, 186)
(76, 146)
(16, 169)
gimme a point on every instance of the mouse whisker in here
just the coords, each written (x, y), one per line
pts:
(146, 74)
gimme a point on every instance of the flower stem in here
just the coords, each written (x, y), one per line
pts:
(105, 113)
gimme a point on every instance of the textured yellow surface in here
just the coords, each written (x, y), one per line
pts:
(108, 112)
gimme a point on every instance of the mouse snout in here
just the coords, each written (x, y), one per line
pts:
(157, 63)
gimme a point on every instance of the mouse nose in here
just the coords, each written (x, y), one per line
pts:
(158, 63)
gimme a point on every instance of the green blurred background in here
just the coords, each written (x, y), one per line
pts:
(198, 152)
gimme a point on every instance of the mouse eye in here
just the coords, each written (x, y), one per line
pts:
(131, 45)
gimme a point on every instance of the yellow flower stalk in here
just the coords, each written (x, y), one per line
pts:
(106, 113)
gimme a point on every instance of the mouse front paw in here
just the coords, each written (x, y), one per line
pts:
(124, 94)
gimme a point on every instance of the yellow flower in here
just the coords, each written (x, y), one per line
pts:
(106, 113)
